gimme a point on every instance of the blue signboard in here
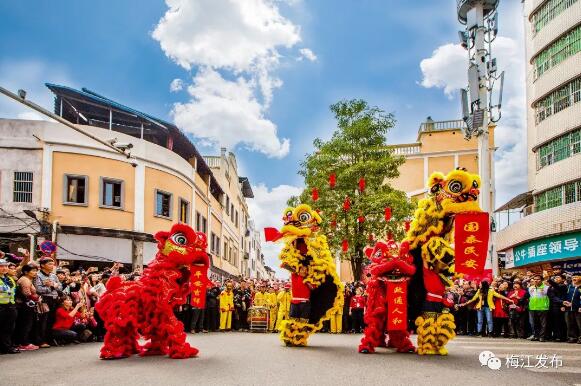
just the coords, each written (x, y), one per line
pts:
(560, 247)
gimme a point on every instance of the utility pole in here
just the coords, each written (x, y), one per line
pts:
(480, 18)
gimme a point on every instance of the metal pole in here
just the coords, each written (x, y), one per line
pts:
(43, 111)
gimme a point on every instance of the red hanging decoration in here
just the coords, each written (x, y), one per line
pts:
(333, 224)
(346, 204)
(345, 245)
(315, 194)
(361, 219)
(370, 238)
(390, 235)
(407, 226)
(387, 214)
(332, 180)
(361, 184)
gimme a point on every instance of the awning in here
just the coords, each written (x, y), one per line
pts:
(520, 201)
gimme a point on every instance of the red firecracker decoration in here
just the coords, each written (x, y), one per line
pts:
(332, 180)
(361, 184)
(387, 214)
(333, 224)
(407, 226)
(361, 219)
(390, 235)
(370, 238)
(346, 204)
(345, 245)
(315, 194)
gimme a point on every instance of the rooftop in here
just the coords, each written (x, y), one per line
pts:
(87, 107)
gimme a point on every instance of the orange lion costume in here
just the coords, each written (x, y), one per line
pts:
(145, 308)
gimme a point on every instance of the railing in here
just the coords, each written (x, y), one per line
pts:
(213, 162)
(404, 150)
(442, 125)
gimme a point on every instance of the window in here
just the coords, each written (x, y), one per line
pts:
(232, 212)
(558, 100)
(198, 222)
(236, 220)
(566, 46)
(184, 214)
(23, 186)
(204, 225)
(550, 10)
(111, 193)
(228, 205)
(163, 204)
(560, 195)
(225, 250)
(215, 244)
(75, 189)
(559, 149)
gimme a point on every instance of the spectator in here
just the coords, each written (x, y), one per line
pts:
(271, 303)
(573, 310)
(538, 308)
(484, 299)
(48, 287)
(500, 312)
(557, 293)
(62, 330)
(284, 299)
(8, 312)
(356, 309)
(226, 307)
(212, 314)
(517, 310)
(27, 302)
(242, 301)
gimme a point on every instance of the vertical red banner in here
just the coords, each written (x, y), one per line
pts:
(199, 283)
(471, 233)
(397, 318)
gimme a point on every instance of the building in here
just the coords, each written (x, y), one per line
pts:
(256, 264)
(103, 206)
(440, 146)
(550, 229)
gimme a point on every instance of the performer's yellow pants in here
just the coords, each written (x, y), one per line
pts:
(336, 323)
(272, 319)
(280, 317)
(225, 320)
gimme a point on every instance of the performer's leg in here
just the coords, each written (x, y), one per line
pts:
(401, 341)
(426, 330)
(223, 319)
(445, 331)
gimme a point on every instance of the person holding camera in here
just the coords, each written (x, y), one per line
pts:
(27, 303)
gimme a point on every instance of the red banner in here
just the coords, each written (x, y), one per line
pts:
(199, 283)
(397, 318)
(471, 232)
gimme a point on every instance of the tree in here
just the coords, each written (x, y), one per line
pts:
(357, 150)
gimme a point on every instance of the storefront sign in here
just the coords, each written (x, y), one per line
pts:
(559, 247)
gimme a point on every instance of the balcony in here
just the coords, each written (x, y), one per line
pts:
(406, 149)
(430, 126)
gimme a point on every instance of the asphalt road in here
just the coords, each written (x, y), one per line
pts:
(259, 359)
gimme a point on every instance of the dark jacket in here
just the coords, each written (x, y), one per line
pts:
(574, 296)
(557, 293)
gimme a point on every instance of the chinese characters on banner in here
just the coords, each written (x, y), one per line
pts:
(397, 305)
(471, 242)
(198, 284)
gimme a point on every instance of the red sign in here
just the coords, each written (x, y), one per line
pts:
(471, 232)
(198, 284)
(397, 318)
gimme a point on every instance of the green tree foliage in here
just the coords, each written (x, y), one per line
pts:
(358, 149)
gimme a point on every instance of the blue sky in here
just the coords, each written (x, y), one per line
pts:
(314, 54)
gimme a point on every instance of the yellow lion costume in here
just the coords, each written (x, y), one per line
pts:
(431, 239)
(316, 287)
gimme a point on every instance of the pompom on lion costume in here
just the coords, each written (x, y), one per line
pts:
(317, 292)
(430, 239)
(145, 308)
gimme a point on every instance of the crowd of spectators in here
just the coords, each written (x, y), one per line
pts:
(44, 305)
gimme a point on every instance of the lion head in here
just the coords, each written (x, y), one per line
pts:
(457, 191)
(182, 246)
(301, 221)
(390, 260)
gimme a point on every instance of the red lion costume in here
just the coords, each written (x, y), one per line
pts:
(145, 308)
(391, 268)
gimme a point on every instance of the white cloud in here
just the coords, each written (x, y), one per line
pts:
(306, 53)
(266, 210)
(176, 85)
(226, 113)
(29, 75)
(245, 40)
(447, 68)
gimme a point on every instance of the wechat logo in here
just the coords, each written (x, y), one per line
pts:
(487, 358)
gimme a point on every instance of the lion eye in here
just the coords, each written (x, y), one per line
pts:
(455, 186)
(304, 217)
(475, 184)
(179, 239)
(378, 254)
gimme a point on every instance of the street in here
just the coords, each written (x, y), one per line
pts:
(245, 358)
